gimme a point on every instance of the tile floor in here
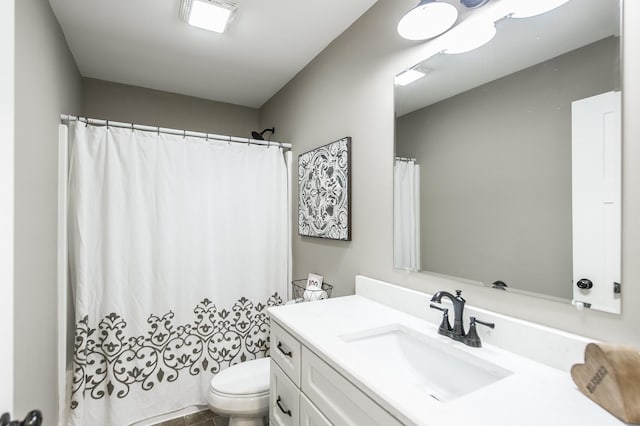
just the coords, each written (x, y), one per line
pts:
(201, 418)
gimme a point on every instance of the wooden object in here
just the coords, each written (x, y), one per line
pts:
(610, 377)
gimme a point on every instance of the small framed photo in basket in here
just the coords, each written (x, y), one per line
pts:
(314, 282)
(301, 291)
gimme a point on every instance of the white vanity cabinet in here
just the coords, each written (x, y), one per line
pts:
(307, 391)
(354, 360)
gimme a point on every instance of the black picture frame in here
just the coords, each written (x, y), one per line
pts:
(324, 191)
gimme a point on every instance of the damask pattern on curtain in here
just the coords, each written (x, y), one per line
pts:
(177, 246)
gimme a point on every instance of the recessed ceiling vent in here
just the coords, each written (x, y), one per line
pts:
(212, 15)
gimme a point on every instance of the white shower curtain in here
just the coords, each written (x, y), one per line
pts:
(177, 245)
(406, 215)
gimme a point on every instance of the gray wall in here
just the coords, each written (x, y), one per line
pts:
(496, 172)
(120, 102)
(47, 84)
(348, 91)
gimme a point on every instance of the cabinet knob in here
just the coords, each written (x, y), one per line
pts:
(584, 284)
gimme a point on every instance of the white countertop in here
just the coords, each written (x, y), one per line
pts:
(534, 394)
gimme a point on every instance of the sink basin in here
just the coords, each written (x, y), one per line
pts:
(437, 368)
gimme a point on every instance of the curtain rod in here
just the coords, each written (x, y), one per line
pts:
(64, 118)
(406, 159)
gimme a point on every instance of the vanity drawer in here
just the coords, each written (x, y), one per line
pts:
(285, 351)
(337, 398)
(284, 399)
(310, 415)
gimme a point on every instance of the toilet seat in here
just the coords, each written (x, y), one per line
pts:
(247, 378)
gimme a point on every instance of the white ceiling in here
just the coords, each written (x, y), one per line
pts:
(144, 43)
(518, 44)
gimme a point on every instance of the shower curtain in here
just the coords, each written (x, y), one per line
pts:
(406, 215)
(177, 246)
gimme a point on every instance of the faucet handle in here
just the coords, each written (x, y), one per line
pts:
(458, 292)
(472, 339)
(473, 320)
(445, 327)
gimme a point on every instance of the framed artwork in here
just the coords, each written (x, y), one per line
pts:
(324, 191)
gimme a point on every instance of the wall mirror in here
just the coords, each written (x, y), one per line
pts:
(508, 157)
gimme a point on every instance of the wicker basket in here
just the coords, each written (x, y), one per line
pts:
(300, 293)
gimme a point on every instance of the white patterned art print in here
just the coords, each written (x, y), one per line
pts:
(324, 199)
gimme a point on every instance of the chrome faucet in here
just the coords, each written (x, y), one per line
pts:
(457, 333)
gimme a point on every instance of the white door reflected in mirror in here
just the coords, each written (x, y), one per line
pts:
(596, 180)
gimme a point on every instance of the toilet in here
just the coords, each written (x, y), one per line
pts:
(242, 393)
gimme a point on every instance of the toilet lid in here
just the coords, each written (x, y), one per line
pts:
(250, 377)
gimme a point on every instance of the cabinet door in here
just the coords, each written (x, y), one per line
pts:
(284, 399)
(310, 415)
(285, 351)
(337, 398)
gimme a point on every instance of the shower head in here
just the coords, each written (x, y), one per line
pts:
(260, 136)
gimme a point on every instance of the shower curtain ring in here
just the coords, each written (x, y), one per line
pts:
(229, 140)
(86, 121)
(107, 124)
(184, 134)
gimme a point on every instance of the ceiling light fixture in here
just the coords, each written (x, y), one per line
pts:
(473, 4)
(528, 8)
(428, 19)
(408, 77)
(212, 15)
(468, 36)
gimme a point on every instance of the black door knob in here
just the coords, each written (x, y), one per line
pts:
(584, 284)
